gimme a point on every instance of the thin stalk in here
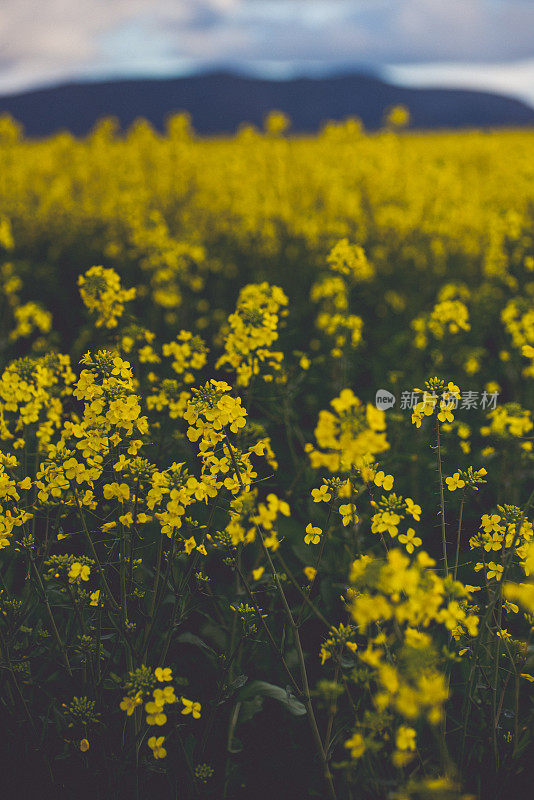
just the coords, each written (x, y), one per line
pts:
(317, 562)
(265, 627)
(496, 682)
(157, 575)
(51, 617)
(331, 715)
(124, 605)
(213, 710)
(484, 622)
(300, 655)
(442, 500)
(305, 595)
(459, 535)
(105, 584)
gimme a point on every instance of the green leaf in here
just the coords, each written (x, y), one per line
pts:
(249, 708)
(196, 641)
(263, 689)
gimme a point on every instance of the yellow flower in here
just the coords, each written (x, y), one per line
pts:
(310, 573)
(190, 545)
(386, 481)
(95, 598)
(417, 418)
(494, 571)
(491, 523)
(410, 540)
(191, 707)
(405, 739)
(156, 745)
(356, 745)
(348, 513)
(397, 116)
(453, 390)
(129, 704)
(257, 573)
(155, 715)
(84, 745)
(120, 491)
(313, 534)
(413, 509)
(79, 572)
(385, 521)
(321, 495)
(165, 695)
(163, 674)
(445, 413)
(455, 482)
(102, 294)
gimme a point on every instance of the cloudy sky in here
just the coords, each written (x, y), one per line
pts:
(479, 43)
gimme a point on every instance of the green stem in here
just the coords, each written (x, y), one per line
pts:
(300, 655)
(157, 575)
(105, 584)
(331, 715)
(458, 536)
(442, 501)
(51, 616)
(265, 627)
(318, 561)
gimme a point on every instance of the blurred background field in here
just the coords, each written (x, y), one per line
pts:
(403, 255)
(443, 218)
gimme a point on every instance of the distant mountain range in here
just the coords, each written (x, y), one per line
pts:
(220, 102)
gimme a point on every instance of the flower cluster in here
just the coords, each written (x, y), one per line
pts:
(188, 353)
(518, 319)
(32, 396)
(349, 435)
(390, 511)
(347, 265)
(502, 536)
(400, 600)
(466, 478)
(142, 684)
(211, 411)
(103, 295)
(11, 514)
(252, 330)
(438, 397)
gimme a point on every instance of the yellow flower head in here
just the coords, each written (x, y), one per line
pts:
(313, 534)
(455, 482)
(156, 745)
(163, 674)
(191, 707)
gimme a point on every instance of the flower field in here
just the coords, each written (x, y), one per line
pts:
(266, 463)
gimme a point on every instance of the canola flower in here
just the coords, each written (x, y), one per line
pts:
(103, 295)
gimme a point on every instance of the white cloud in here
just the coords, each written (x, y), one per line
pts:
(515, 79)
(58, 40)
